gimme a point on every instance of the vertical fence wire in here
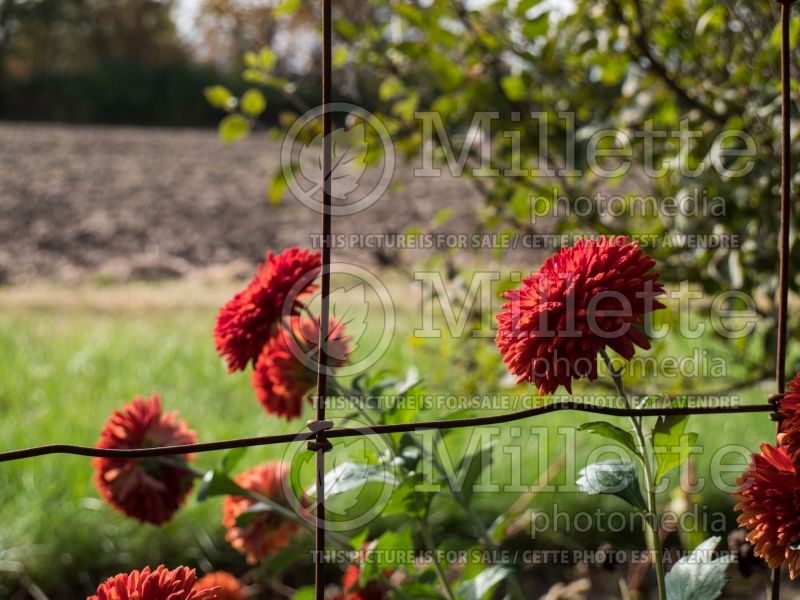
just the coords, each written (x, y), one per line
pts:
(786, 213)
(322, 361)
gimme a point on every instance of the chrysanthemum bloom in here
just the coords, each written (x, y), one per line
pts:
(583, 299)
(226, 585)
(267, 531)
(147, 489)
(281, 380)
(373, 590)
(161, 584)
(790, 426)
(769, 498)
(246, 322)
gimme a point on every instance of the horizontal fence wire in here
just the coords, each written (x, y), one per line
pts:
(344, 432)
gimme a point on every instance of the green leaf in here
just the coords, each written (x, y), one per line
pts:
(261, 506)
(390, 88)
(277, 187)
(287, 7)
(220, 97)
(536, 27)
(217, 483)
(524, 6)
(443, 215)
(233, 128)
(232, 458)
(612, 432)
(340, 55)
(615, 478)
(480, 586)
(407, 500)
(698, 577)
(253, 102)
(350, 476)
(514, 87)
(391, 545)
(478, 461)
(406, 107)
(304, 593)
(251, 59)
(670, 444)
(251, 512)
(299, 552)
(266, 59)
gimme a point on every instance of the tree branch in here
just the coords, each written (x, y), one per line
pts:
(641, 39)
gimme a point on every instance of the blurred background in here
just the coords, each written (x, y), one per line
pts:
(131, 208)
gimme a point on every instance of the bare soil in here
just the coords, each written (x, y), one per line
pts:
(81, 203)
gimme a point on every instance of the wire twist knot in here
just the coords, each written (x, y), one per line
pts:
(321, 444)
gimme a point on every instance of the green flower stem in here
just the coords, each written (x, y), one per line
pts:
(427, 539)
(285, 512)
(478, 526)
(653, 539)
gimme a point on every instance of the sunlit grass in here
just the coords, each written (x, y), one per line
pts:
(64, 369)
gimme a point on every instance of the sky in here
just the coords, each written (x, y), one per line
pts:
(185, 11)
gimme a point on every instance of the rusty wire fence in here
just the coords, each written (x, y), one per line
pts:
(321, 430)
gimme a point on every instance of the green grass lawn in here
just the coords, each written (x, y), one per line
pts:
(65, 368)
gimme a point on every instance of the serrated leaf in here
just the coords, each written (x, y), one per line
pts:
(350, 476)
(668, 435)
(482, 584)
(233, 128)
(611, 432)
(618, 478)
(253, 102)
(220, 97)
(697, 576)
(349, 149)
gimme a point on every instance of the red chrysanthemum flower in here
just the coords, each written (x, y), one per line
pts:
(226, 585)
(267, 531)
(583, 299)
(790, 426)
(161, 584)
(147, 489)
(769, 498)
(246, 322)
(373, 590)
(280, 378)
